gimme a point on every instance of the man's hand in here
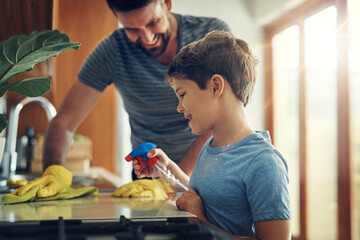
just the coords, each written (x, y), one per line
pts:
(190, 201)
(54, 179)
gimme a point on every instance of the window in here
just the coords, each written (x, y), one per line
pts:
(312, 102)
(286, 113)
(354, 76)
(321, 122)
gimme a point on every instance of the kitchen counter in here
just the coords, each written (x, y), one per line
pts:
(103, 217)
(101, 207)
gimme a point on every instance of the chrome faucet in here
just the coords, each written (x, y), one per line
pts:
(9, 160)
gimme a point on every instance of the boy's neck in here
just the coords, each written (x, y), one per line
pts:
(225, 140)
(232, 127)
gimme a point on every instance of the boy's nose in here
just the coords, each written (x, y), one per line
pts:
(180, 108)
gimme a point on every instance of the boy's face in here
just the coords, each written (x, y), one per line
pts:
(148, 27)
(195, 104)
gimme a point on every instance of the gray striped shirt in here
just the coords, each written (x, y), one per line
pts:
(149, 101)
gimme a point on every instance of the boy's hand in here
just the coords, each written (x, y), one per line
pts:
(146, 171)
(190, 201)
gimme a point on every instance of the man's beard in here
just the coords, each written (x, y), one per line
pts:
(157, 51)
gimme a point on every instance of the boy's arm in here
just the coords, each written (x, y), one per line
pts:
(178, 173)
(187, 163)
(190, 201)
(232, 235)
(273, 230)
(166, 161)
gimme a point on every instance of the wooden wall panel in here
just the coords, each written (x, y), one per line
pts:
(87, 22)
(24, 17)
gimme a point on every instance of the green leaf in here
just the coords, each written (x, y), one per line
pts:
(21, 52)
(32, 87)
(3, 122)
(5, 87)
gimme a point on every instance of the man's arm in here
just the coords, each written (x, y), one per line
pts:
(75, 107)
(187, 163)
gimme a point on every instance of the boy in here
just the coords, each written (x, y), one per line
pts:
(240, 181)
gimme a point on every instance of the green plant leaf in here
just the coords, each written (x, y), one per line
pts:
(5, 87)
(3, 122)
(30, 87)
(21, 52)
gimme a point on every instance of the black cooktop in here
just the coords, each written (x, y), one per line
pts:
(150, 229)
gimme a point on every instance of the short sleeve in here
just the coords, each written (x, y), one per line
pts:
(98, 69)
(221, 25)
(267, 181)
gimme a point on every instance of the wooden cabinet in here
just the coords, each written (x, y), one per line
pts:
(84, 21)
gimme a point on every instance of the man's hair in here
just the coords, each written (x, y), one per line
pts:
(218, 53)
(128, 5)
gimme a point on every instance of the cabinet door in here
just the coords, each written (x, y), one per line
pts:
(87, 22)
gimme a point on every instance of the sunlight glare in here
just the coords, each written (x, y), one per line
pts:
(320, 40)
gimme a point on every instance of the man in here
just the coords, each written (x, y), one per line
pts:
(135, 59)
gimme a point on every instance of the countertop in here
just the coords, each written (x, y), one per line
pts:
(100, 207)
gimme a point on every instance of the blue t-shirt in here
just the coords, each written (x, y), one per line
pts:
(242, 183)
(149, 101)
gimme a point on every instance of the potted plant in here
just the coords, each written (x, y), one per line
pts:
(20, 53)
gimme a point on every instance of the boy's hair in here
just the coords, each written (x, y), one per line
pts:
(128, 5)
(218, 53)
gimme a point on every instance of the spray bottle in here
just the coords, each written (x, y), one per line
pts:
(159, 170)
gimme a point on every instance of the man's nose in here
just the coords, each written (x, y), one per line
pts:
(147, 36)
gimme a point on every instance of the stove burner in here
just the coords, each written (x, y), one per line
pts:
(171, 228)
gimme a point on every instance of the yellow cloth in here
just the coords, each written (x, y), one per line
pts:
(144, 188)
(54, 179)
(66, 193)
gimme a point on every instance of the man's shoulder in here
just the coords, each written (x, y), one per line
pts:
(117, 35)
(195, 19)
(190, 20)
(113, 41)
(193, 28)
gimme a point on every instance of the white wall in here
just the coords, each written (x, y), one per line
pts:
(264, 11)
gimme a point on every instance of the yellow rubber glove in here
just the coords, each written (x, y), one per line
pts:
(16, 183)
(54, 179)
(144, 188)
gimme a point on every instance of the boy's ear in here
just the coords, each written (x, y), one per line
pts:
(217, 84)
